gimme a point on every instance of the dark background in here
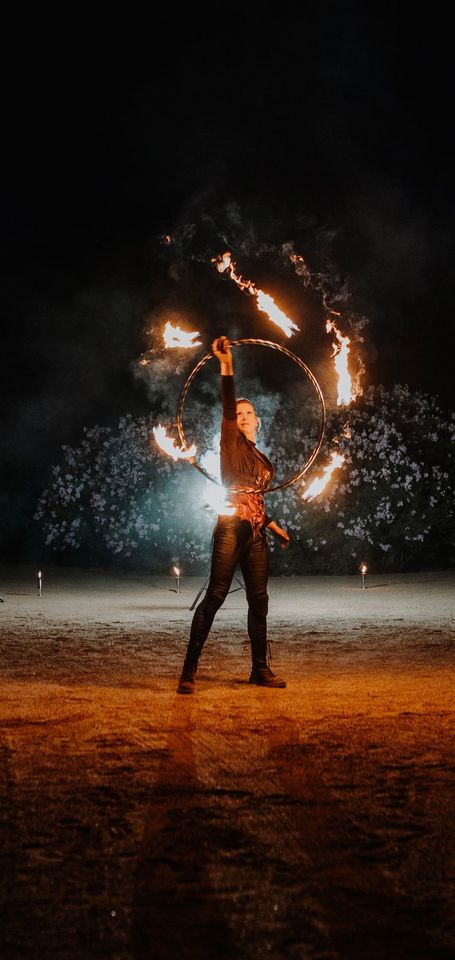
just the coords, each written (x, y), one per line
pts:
(333, 130)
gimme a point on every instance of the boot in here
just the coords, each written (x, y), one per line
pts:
(263, 677)
(261, 674)
(186, 683)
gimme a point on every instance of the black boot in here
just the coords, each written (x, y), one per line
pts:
(197, 639)
(186, 683)
(261, 674)
(263, 677)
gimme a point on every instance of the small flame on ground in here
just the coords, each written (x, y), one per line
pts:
(319, 483)
(168, 445)
(39, 575)
(176, 571)
(175, 337)
(363, 569)
(265, 303)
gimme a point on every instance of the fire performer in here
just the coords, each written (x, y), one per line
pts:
(239, 538)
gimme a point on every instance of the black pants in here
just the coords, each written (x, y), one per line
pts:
(234, 543)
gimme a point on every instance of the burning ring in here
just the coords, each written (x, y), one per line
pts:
(300, 363)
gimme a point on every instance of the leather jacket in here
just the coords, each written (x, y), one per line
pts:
(242, 464)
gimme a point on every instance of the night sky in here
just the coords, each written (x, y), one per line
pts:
(335, 133)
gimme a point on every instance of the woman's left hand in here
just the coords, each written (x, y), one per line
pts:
(281, 535)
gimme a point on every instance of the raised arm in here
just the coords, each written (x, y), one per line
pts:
(229, 432)
(222, 349)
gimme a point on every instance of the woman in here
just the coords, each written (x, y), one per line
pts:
(238, 539)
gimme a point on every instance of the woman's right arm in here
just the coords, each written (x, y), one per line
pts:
(222, 349)
(229, 432)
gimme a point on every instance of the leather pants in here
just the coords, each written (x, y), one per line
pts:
(234, 543)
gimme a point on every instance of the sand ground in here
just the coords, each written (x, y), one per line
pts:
(311, 822)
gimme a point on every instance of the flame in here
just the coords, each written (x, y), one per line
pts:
(167, 239)
(40, 575)
(176, 571)
(143, 362)
(169, 445)
(264, 302)
(175, 337)
(346, 390)
(319, 483)
(363, 569)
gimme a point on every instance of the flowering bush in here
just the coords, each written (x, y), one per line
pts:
(117, 495)
(391, 503)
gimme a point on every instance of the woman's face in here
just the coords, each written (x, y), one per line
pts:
(247, 420)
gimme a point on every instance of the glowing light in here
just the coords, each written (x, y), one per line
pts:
(143, 362)
(175, 337)
(176, 571)
(264, 302)
(169, 446)
(363, 569)
(319, 483)
(215, 497)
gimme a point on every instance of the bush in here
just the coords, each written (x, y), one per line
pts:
(391, 504)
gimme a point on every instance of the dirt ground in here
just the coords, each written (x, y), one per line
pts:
(312, 822)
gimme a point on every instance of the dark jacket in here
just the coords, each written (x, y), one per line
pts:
(242, 465)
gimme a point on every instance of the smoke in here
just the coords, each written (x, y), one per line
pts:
(212, 234)
(299, 273)
(159, 368)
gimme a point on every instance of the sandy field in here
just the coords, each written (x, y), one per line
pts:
(315, 822)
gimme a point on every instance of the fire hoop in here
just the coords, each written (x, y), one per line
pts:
(300, 363)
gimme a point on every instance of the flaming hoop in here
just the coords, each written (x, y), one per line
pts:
(300, 363)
